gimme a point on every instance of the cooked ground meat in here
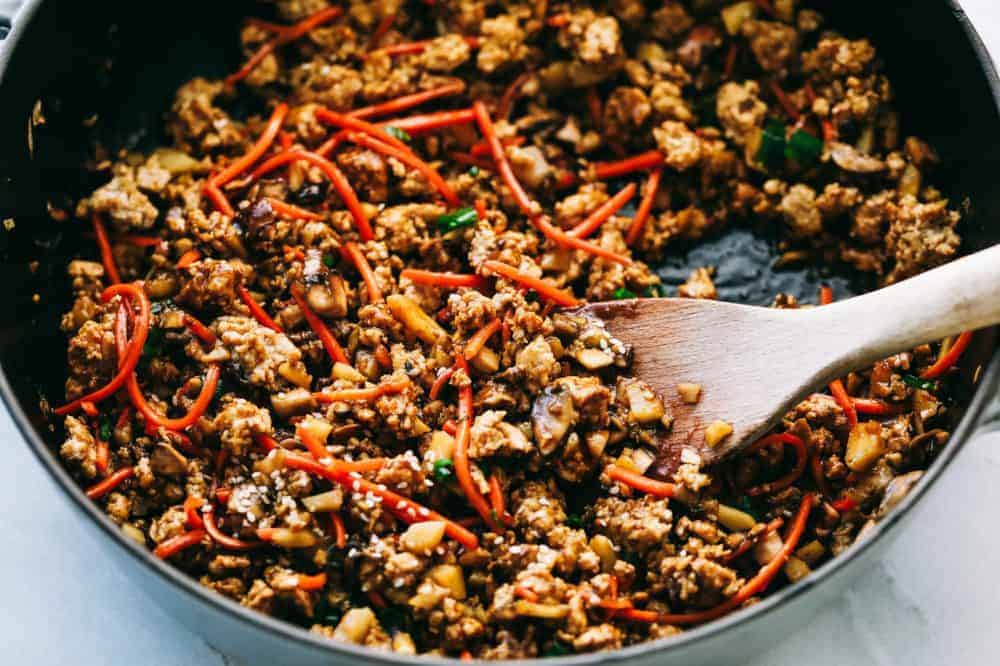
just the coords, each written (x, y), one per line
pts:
(357, 369)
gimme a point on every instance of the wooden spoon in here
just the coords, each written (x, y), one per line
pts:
(755, 363)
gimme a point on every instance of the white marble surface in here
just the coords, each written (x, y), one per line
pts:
(931, 601)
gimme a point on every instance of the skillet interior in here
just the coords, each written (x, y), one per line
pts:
(123, 61)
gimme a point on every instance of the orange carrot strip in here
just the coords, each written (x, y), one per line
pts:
(413, 48)
(339, 530)
(102, 488)
(219, 200)
(103, 456)
(463, 470)
(801, 457)
(312, 583)
(130, 358)
(312, 443)
(837, 389)
(560, 237)
(104, 246)
(364, 394)
(427, 122)
(199, 330)
(89, 408)
(645, 206)
(411, 160)
(346, 122)
(647, 160)
(257, 310)
(440, 382)
(357, 257)
(450, 427)
(544, 289)
(510, 95)
(642, 482)
(479, 339)
(409, 101)
(179, 543)
(198, 408)
(288, 210)
(336, 178)
(603, 212)
(333, 348)
(873, 407)
(402, 507)
(188, 258)
(529, 207)
(482, 149)
(752, 587)
(526, 594)
(948, 361)
(497, 501)
(558, 20)
(224, 540)
(481, 210)
(381, 29)
(255, 152)
(284, 36)
(192, 505)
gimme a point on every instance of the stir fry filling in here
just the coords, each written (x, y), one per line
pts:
(322, 357)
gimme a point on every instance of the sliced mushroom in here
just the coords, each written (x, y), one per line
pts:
(848, 158)
(167, 460)
(551, 418)
(898, 489)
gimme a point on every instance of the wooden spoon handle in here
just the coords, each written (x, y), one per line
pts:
(963, 295)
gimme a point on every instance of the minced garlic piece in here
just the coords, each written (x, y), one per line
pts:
(717, 432)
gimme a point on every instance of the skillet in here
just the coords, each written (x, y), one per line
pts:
(67, 64)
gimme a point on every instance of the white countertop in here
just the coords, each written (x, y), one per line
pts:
(931, 601)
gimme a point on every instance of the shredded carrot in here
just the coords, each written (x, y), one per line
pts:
(497, 501)
(131, 239)
(471, 160)
(192, 506)
(223, 495)
(603, 212)
(480, 210)
(873, 407)
(785, 101)
(645, 206)
(284, 36)
(257, 310)
(381, 29)
(450, 427)
(179, 543)
(830, 133)
(345, 122)
(414, 48)
(103, 456)
(336, 178)
(647, 160)
(949, 359)
(479, 339)
(199, 330)
(463, 469)
(427, 122)
(266, 442)
(409, 101)
(392, 387)
(288, 210)
(844, 505)
(560, 237)
(510, 95)
(482, 149)
(219, 200)
(312, 443)
(319, 327)
(227, 542)
(104, 246)
(127, 361)
(751, 588)
(197, 410)
(188, 258)
(530, 208)
(382, 357)
(440, 382)
(749, 542)
(102, 488)
(90, 409)
(801, 458)
(339, 530)
(402, 507)
(837, 389)
(257, 151)
(558, 20)
(642, 482)
(353, 253)
(465, 655)
(411, 160)
(543, 288)
(312, 583)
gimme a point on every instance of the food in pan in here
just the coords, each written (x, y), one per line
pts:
(323, 357)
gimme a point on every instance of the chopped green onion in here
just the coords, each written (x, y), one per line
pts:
(104, 431)
(444, 470)
(457, 219)
(772, 144)
(574, 520)
(803, 148)
(556, 650)
(473, 171)
(328, 260)
(622, 292)
(917, 382)
(397, 133)
(655, 291)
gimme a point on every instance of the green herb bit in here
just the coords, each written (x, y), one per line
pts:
(772, 144)
(803, 148)
(397, 133)
(574, 520)
(104, 431)
(457, 219)
(917, 382)
(655, 291)
(473, 171)
(622, 293)
(328, 260)
(444, 470)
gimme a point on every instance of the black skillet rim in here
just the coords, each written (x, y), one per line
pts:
(988, 385)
